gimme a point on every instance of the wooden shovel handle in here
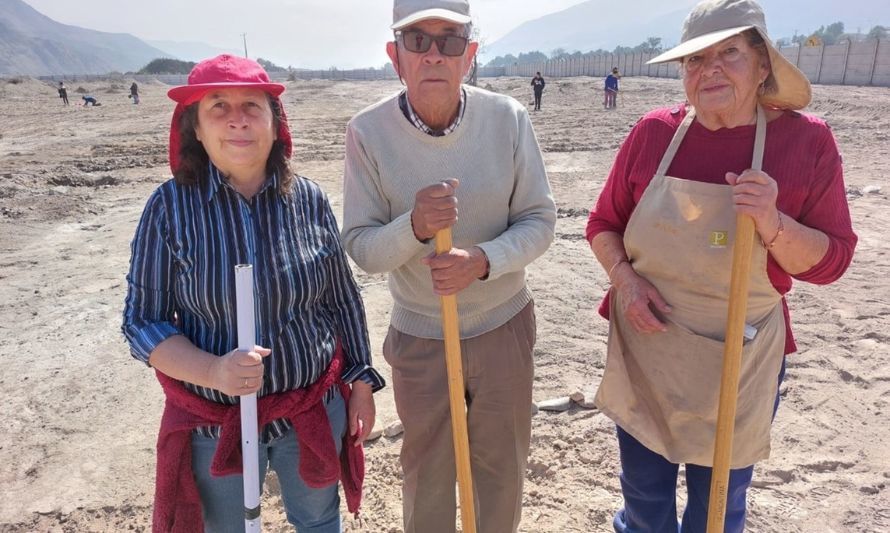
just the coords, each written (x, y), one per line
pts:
(729, 382)
(453, 365)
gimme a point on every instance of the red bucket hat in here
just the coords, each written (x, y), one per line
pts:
(223, 72)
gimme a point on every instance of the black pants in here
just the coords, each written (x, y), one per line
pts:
(538, 99)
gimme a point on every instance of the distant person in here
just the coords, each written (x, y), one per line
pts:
(538, 84)
(63, 92)
(611, 91)
(89, 100)
(134, 93)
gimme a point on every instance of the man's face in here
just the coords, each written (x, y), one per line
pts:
(431, 77)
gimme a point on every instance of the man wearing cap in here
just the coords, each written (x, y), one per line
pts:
(412, 162)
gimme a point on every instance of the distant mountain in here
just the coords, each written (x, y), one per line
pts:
(190, 50)
(606, 24)
(593, 25)
(35, 45)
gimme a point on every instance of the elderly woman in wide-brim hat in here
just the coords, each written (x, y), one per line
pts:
(234, 200)
(663, 229)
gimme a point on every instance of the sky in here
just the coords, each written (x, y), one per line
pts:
(314, 34)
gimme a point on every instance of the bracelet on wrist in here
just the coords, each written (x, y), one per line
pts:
(609, 275)
(779, 232)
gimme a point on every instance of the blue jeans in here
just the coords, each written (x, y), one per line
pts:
(308, 510)
(649, 487)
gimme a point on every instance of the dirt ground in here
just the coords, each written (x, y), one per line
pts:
(80, 417)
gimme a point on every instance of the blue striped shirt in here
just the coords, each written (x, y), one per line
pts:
(182, 282)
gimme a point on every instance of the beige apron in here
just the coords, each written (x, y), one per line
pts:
(663, 388)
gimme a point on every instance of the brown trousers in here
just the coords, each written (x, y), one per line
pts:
(498, 373)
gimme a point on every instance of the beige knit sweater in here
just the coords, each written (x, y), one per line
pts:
(504, 206)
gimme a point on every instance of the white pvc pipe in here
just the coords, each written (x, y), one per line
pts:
(249, 431)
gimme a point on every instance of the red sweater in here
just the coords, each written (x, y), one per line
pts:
(177, 503)
(800, 154)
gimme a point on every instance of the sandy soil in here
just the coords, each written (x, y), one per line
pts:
(80, 416)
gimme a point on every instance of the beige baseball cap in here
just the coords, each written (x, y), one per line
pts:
(408, 12)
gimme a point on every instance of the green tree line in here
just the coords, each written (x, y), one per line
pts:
(831, 34)
(650, 45)
(166, 65)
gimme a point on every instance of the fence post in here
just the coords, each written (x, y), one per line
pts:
(846, 58)
(874, 63)
(821, 57)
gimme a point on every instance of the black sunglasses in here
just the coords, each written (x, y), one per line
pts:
(420, 43)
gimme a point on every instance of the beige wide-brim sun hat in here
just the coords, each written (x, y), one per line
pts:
(712, 21)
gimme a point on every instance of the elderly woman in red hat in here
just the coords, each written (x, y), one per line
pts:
(233, 199)
(663, 229)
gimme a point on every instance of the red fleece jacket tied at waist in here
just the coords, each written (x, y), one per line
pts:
(177, 502)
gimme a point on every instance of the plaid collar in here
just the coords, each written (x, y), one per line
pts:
(408, 111)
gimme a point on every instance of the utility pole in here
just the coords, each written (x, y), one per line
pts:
(244, 38)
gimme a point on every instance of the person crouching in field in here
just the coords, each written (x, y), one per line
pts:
(233, 199)
(663, 228)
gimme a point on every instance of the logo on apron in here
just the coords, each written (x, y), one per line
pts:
(719, 239)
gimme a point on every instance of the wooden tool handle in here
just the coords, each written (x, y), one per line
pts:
(729, 382)
(451, 331)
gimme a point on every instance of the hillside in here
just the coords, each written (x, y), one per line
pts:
(190, 50)
(35, 45)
